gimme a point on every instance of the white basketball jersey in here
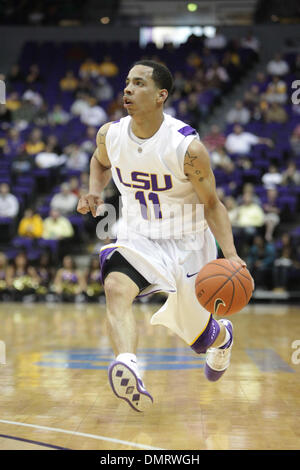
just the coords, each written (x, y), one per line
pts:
(158, 199)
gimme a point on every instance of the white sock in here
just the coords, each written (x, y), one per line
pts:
(130, 360)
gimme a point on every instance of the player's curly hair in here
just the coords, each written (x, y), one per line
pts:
(161, 75)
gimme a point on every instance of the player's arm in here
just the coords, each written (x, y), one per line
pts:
(100, 175)
(198, 170)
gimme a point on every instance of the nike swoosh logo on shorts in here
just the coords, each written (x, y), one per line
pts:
(191, 275)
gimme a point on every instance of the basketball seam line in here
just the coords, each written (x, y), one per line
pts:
(228, 279)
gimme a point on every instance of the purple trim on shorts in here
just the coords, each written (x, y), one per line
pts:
(187, 130)
(154, 291)
(102, 258)
(207, 338)
(115, 122)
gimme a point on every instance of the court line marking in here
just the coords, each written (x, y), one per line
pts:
(81, 434)
(42, 444)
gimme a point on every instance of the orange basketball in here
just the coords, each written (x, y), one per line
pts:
(223, 287)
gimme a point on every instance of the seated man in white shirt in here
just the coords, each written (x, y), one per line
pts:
(278, 66)
(65, 201)
(9, 204)
(241, 142)
(238, 114)
(49, 159)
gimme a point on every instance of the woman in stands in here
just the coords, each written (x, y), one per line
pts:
(4, 293)
(46, 274)
(69, 283)
(22, 279)
(94, 287)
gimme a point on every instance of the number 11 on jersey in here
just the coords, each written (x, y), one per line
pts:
(153, 197)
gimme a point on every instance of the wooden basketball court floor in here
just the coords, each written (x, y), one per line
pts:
(54, 392)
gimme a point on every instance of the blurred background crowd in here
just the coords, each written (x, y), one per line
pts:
(59, 94)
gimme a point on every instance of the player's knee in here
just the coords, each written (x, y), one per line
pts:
(119, 289)
(207, 337)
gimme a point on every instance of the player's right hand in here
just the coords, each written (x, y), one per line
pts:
(89, 203)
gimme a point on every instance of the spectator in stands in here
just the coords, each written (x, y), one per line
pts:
(22, 278)
(218, 41)
(219, 158)
(194, 110)
(215, 139)
(252, 97)
(250, 218)
(80, 104)
(15, 74)
(179, 83)
(57, 227)
(170, 108)
(108, 68)
(5, 117)
(260, 81)
(276, 91)
(93, 115)
(278, 66)
(9, 204)
(3, 278)
(58, 116)
(69, 82)
(275, 113)
(251, 42)
(285, 261)
(49, 159)
(42, 116)
(260, 261)
(34, 75)
(13, 101)
(74, 186)
(115, 108)
(89, 141)
(33, 97)
(53, 143)
(249, 188)
(89, 68)
(46, 273)
(13, 143)
(64, 201)
(94, 288)
(24, 115)
(295, 141)
(84, 181)
(69, 281)
(232, 209)
(103, 90)
(272, 178)
(216, 77)
(272, 213)
(241, 142)
(22, 163)
(31, 225)
(35, 144)
(238, 115)
(76, 159)
(291, 175)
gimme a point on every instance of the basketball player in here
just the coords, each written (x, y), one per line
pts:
(157, 161)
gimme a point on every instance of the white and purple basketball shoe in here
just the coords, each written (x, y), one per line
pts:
(128, 386)
(218, 359)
